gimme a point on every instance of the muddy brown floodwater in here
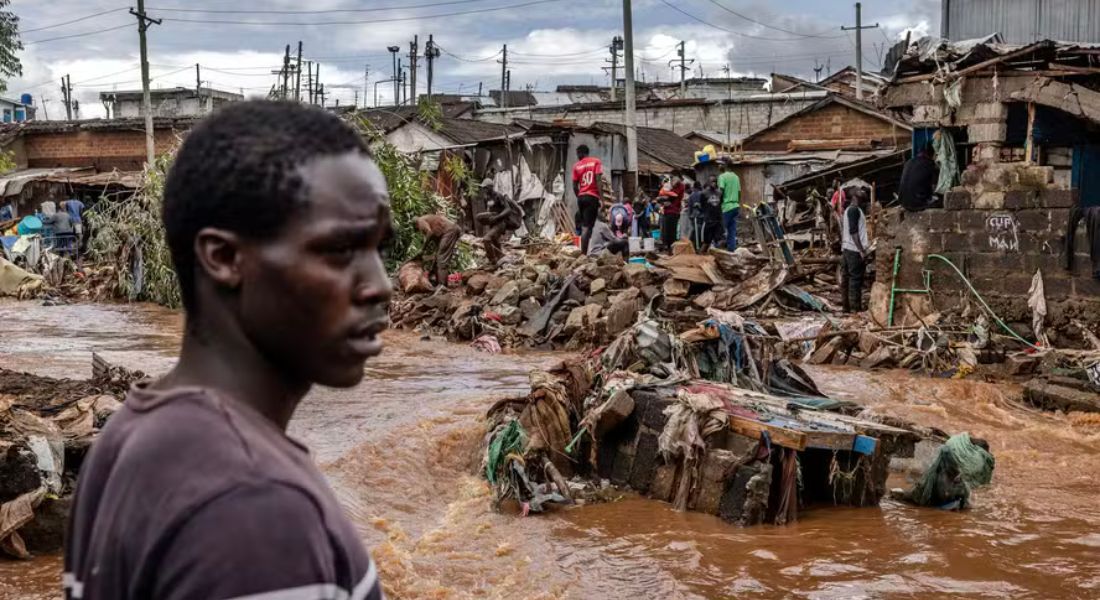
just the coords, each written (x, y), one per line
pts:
(400, 450)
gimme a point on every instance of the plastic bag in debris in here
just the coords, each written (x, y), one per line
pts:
(690, 420)
(959, 467)
(486, 343)
(1037, 302)
(45, 440)
(512, 439)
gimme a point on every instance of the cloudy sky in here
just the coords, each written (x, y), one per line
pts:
(239, 43)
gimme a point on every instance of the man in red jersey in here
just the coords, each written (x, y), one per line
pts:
(586, 186)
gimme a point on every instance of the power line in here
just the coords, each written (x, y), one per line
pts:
(737, 33)
(76, 35)
(592, 51)
(311, 12)
(363, 22)
(466, 59)
(762, 24)
(84, 18)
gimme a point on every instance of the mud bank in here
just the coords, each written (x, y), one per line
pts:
(400, 451)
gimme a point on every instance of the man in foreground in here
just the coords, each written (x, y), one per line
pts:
(586, 187)
(274, 215)
(730, 186)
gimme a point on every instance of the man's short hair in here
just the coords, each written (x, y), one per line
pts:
(239, 170)
(582, 151)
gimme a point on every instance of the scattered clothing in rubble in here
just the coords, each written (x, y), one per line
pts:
(486, 343)
(1091, 216)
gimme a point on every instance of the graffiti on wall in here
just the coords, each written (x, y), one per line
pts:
(1003, 232)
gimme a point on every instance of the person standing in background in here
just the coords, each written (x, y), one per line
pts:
(730, 186)
(586, 186)
(673, 200)
(854, 245)
(918, 181)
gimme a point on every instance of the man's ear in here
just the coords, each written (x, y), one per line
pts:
(218, 254)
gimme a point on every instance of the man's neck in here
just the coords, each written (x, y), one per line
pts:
(230, 364)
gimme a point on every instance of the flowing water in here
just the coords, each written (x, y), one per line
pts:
(401, 451)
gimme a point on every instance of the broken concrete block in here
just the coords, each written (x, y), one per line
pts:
(507, 294)
(645, 463)
(529, 307)
(598, 285)
(663, 481)
(637, 275)
(509, 315)
(600, 299)
(712, 480)
(622, 314)
(676, 287)
(1060, 395)
(476, 283)
(582, 317)
(1019, 364)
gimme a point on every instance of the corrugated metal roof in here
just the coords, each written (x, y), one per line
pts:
(662, 145)
(12, 183)
(1022, 21)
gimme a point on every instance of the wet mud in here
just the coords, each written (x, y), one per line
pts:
(401, 451)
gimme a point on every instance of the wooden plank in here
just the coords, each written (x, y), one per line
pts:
(830, 440)
(1043, 45)
(780, 436)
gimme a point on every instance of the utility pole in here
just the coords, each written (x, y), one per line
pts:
(67, 97)
(630, 177)
(396, 75)
(198, 86)
(414, 47)
(616, 47)
(298, 75)
(286, 71)
(684, 62)
(504, 78)
(309, 81)
(366, 85)
(430, 53)
(859, 47)
(146, 100)
(729, 121)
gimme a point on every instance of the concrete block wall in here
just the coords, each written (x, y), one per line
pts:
(743, 117)
(998, 238)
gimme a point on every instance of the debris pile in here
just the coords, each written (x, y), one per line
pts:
(46, 427)
(709, 420)
(548, 296)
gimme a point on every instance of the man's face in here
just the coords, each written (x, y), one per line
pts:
(314, 299)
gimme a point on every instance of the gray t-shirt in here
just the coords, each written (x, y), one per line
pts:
(187, 494)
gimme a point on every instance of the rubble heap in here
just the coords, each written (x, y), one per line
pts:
(46, 428)
(547, 296)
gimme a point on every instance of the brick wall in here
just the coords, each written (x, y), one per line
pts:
(834, 122)
(1003, 224)
(100, 148)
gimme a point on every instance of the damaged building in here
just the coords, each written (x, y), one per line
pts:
(1017, 130)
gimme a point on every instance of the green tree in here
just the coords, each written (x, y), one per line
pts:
(10, 45)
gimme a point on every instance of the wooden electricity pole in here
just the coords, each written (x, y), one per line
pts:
(298, 75)
(146, 101)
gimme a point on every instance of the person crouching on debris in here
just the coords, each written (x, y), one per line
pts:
(274, 214)
(440, 229)
(854, 249)
(503, 218)
(615, 237)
